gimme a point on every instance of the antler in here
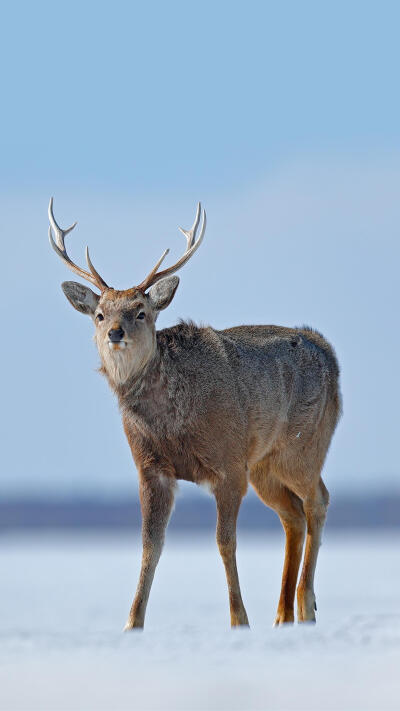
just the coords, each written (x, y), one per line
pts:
(59, 247)
(191, 247)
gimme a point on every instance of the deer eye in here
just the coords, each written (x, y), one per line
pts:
(141, 315)
(99, 317)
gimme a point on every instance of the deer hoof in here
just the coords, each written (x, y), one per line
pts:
(284, 617)
(132, 626)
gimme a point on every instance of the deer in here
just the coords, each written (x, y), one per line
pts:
(222, 408)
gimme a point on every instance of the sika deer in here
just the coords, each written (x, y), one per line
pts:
(250, 403)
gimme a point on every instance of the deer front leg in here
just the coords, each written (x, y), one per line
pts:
(156, 499)
(227, 511)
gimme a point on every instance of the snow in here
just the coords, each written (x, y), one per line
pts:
(65, 599)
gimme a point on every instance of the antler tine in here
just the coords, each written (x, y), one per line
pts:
(100, 281)
(190, 234)
(60, 234)
(149, 279)
(59, 247)
(191, 247)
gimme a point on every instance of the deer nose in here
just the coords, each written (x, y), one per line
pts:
(115, 334)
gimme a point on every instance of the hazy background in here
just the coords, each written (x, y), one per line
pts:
(283, 118)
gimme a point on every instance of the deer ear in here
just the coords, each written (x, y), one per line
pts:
(162, 293)
(81, 297)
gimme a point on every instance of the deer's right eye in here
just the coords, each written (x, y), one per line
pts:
(99, 317)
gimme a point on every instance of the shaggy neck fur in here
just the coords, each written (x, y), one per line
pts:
(126, 366)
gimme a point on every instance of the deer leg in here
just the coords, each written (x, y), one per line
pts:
(315, 507)
(294, 530)
(289, 508)
(228, 505)
(156, 498)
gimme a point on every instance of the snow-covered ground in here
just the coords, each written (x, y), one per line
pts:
(64, 600)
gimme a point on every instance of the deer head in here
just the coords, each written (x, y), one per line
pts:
(124, 320)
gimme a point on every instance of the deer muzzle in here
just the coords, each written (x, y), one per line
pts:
(115, 335)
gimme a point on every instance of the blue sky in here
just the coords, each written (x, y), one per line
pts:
(157, 96)
(284, 119)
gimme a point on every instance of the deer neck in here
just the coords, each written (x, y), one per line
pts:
(147, 395)
(136, 380)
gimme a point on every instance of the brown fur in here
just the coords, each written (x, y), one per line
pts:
(222, 408)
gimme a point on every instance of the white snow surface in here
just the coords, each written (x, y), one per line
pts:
(65, 599)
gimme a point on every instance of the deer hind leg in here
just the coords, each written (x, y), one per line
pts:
(315, 506)
(289, 508)
(157, 499)
(228, 504)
